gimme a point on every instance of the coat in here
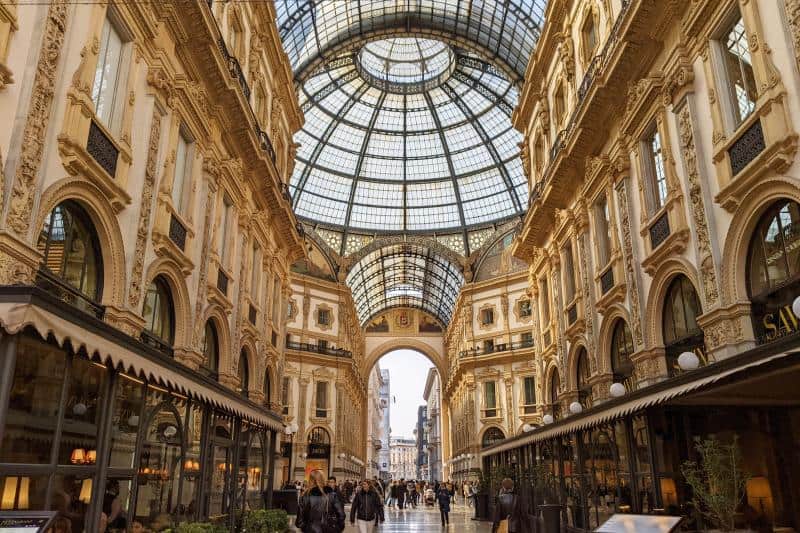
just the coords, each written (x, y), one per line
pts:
(443, 496)
(320, 512)
(367, 506)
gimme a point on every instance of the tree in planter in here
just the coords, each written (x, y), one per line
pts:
(717, 480)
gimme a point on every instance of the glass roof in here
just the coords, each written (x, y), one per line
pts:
(405, 60)
(405, 275)
(314, 31)
(391, 159)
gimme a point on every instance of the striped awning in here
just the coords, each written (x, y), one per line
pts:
(597, 417)
(14, 317)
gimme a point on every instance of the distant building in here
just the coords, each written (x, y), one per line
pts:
(422, 443)
(433, 445)
(403, 453)
(375, 423)
(384, 455)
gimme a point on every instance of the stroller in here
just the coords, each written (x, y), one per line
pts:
(430, 497)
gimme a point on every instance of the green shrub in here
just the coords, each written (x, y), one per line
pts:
(266, 521)
(197, 527)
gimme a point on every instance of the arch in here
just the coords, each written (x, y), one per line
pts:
(171, 273)
(737, 241)
(321, 432)
(572, 362)
(439, 360)
(387, 240)
(621, 350)
(243, 367)
(106, 226)
(603, 357)
(158, 311)
(217, 315)
(662, 279)
(491, 435)
(552, 387)
(268, 385)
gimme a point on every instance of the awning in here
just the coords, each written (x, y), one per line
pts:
(620, 410)
(14, 317)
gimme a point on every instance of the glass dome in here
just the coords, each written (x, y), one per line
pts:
(410, 63)
(385, 159)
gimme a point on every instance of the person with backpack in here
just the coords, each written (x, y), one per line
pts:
(319, 510)
(509, 515)
(367, 508)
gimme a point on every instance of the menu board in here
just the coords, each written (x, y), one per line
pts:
(25, 522)
(639, 523)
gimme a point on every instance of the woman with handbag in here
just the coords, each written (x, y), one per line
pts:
(320, 511)
(508, 512)
(443, 496)
(367, 508)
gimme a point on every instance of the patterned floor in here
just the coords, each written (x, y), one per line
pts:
(425, 520)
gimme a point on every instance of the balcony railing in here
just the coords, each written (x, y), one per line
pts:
(102, 149)
(156, 342)
(497, 348)
(313, 348)
(67, 293)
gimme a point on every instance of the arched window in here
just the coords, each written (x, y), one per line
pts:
(319, 435)
(244, 372)
(158, 312)
(71, 253)
(583, 372)
(492, 436)
(555, 384)
(773, 267)
(681, 332)
(211, 349)
(621, 351)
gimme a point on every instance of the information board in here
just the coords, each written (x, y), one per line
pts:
(639, 523)
(25, 521)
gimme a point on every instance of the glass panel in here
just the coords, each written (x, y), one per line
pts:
(82, 412)
(158, 311)
(34, 403)
(116, 505)
(191, 464)
(182, 166)
(125, 421)
(21, 493)
(489, 390)
(70, 496)
(739, 69)
(159, 466)
(659, 175)
(603, 223)
(774, 251)
(256, 471)
(569, 275)
(106, 77)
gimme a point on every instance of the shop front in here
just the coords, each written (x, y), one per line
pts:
(109, 432)
(626, 455)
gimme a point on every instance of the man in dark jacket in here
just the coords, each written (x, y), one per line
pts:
(401, 493)
(367, 508)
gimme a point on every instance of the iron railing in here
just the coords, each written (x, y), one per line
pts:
(314, 348)
(497, 348)
(65, 292)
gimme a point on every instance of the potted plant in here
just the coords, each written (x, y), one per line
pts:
(717, 481)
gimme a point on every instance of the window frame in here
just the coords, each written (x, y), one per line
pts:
(654, 169)
(602, 230)
(731, 110)
(113, 121)
(182, 171)
(163, 289)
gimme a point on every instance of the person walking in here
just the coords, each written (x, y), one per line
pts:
(443, 497)
(411, 487)
(367, 508)
(393, 494)
(401, 493)
(320, 511)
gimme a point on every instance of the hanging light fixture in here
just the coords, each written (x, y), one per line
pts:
(689, 361)
(527, 428)
(575, 408)
(617, 390)
(78, 456)
(548, 419)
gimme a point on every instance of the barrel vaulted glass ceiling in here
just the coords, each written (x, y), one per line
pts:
(408, 130)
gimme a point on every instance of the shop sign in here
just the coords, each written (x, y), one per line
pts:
(319, 450)
(778, 323)
(25, 521)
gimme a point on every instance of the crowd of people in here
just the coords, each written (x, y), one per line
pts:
(321, 502)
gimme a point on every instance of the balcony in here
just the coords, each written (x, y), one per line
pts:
(498, 348)
(322, 350)
(65, 292)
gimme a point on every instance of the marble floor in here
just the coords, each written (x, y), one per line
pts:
(425, 520)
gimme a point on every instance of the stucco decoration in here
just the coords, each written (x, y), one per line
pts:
(42, 93)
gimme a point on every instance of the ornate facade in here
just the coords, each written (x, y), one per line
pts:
(145, 245)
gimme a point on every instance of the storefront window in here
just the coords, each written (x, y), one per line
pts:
(681, 331)
(191, 464)
(34, 403)
(116, 505)
(642, 463)
(773, 268)
(621, 351)
(158, 311)
(70, 249)
(71, 496)
(82, 410)
(221, 464)
(20, 493)
(125, 421)
(256, 470)
(159, 464)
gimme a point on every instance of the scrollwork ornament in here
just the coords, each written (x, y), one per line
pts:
(630, 272)
(42, 93)
(135, 290)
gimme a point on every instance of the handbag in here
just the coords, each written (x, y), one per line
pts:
(502, 527)
(331, 524)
